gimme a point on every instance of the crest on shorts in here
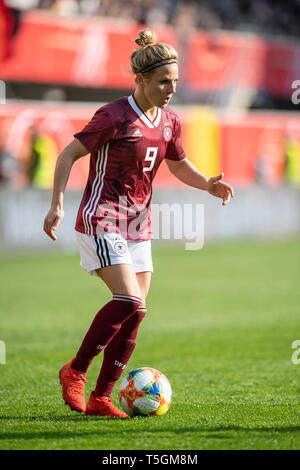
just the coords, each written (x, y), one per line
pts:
(167, 134)
(119, 247)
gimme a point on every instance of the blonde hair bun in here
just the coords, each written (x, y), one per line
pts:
(146, 38)
(150, 53)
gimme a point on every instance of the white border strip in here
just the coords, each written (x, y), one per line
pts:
(99, 186)
(91, 206)
(157, 120)
(140, 113)
(85, 209)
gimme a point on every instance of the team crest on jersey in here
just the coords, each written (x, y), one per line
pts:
(119, 247)
(167, 134)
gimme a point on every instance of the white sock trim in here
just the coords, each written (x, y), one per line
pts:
(127, 298)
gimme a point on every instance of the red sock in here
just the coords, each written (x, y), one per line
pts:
(105, 325)
(118, 353)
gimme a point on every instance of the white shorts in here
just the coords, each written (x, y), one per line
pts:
(99, 251)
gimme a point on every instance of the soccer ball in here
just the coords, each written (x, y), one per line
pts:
(145, 391)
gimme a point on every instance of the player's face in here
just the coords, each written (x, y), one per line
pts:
(160, 87)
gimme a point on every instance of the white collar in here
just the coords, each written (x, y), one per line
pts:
(142, 115)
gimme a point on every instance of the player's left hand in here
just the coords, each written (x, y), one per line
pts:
(219, 188)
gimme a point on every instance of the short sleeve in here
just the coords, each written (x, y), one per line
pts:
(97, 132)
(174, 149)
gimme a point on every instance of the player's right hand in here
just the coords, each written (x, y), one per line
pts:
(52, 221)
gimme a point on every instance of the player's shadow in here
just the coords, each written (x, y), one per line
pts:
(76, 417)
(215, 432)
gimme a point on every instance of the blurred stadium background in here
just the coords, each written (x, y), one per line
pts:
(224, 337)
(239, 61)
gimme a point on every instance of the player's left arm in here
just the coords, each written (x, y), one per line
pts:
(186, 172)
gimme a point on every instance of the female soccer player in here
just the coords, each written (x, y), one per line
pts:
(127, 140)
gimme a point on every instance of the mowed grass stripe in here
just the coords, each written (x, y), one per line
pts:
(220, 325)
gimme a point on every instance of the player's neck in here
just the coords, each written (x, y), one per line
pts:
(144, 105)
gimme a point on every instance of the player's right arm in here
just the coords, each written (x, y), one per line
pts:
(65, 161)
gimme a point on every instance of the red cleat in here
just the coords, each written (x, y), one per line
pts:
(73, 385)
(103, 406)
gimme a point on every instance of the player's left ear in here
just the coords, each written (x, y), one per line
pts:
(139, 79)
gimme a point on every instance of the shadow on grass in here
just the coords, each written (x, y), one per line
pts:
(76, 417)
(69, 434)
(216, 432)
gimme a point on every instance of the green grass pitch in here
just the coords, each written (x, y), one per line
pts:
(220, 326)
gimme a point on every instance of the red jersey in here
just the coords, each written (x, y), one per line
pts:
(126, 150)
